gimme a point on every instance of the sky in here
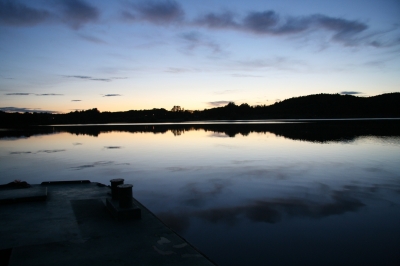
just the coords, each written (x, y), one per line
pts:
(66, 55)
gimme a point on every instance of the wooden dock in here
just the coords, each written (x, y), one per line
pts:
(69, 224)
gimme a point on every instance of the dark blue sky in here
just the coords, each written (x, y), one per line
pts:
(121, 55)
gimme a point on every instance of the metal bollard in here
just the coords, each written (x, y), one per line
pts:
(114, 187)
(125, 195)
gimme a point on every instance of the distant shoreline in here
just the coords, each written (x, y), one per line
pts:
(311, 107)
(315, 131)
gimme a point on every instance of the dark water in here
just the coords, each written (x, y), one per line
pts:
(254, 194)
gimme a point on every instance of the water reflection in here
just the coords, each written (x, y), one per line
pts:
(278, 194)
(314, 131)
(271, 210)
(39, 151)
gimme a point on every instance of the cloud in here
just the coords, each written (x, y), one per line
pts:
(49, 94)
(157, 12)
(79, 77)
(92, 78)
(217, 21)
(351, 92)
(16, 14)
(21, 152)
(37, 94)
(76, 100)
(76, 13)
(111, 95)
(106, 80)
(112, 147)
(344, 30)
(218, 103)
(49, 151)
(196, 40)
(260, 22)
(23, 110)
(270, 23)
(91, 38)
(19, 93)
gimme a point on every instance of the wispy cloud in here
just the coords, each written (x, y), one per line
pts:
(270, 23)
(49, 151)
(93, 78)
(37, 94)
(17, 14)
(76, 13)
(23, 110)
(21, 152)
(20, 93)
(261, 22)
(225, 20)
(218, 103)
(351, 92)
(76, 100)
(79, 77)
(49, 94)
(91, 38)
(194, 40)
(98, 79)
(157, 12)
(111, 95)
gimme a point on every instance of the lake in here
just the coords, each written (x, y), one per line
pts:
(258, 193)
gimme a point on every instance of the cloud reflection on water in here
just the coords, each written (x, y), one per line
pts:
(39, 151)
(50, 151)
(99, 163)
(273, 211)
(112, 147)
(269, 211)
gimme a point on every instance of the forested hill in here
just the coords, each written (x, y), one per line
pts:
(305, 107)
(336, 105)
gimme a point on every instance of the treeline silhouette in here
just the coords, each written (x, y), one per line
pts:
(314, 131)
(306, 107)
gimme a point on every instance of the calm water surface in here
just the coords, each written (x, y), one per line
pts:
(258, 198)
